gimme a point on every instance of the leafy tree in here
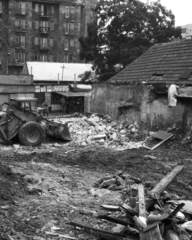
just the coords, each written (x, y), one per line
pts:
(125, 29)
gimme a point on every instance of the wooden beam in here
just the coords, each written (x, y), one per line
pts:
(141, 194)
(160, 187)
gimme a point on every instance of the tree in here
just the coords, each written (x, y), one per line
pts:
(125, 29)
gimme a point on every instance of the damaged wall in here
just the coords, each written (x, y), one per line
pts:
(135, 104)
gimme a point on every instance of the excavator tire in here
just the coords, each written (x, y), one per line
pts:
(31, 134)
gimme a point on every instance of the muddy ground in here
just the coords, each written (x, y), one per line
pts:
(46, 187)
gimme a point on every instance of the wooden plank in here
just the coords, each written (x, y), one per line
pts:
(158, 144)
(95, 229)
(160, 187)
(141, 194)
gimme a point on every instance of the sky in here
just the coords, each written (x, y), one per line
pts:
(181, 9)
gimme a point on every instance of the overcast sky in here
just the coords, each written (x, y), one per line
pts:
(181, 9)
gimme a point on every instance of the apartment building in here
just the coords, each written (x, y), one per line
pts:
(186, 31)
(42, 30)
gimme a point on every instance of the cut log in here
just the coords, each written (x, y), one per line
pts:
(160, 187)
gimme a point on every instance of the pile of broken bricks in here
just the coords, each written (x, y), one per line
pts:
(147, 215)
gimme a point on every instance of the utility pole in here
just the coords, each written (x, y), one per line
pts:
(62, 71)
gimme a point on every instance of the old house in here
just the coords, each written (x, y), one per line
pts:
(139, 92)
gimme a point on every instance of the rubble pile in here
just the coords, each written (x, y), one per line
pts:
(104, 131)
(146, 214)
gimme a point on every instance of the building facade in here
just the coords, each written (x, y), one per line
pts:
(186, 31)
(42, 30)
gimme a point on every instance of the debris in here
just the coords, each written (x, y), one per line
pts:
(160, 187)
(149, 157)
(161, 135)
(111, 208)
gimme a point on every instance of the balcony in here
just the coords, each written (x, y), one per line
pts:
(44, 15)
(20, 11)
(44, 30)
(20, 29)
(44, 47)
(20, 46)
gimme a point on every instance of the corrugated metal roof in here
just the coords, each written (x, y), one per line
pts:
(172, 58)
(48, 71)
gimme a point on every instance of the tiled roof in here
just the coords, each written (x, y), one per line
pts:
(48, 71)
(171, 60)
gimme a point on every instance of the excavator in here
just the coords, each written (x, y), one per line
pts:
(20, 119)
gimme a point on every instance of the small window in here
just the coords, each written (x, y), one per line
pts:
(50, 58)
(66, 12)
(52, 9)
(51, 42)
(0, 57)
(66, 47)
(66, 58)
(183, 30)
(72, 28)
(36, 58)
(36, 7)
(36, 24)
(36, 41)
(186, 74)
(66, 28)
(22, 41)
(22, 24)
(51, 26)
(72, 43)
(78, 27)
(17, 22)
(1, 7)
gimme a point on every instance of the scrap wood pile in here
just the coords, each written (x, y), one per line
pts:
(147, 215)
(104, 131)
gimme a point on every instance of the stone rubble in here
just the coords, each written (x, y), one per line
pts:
(104, 131)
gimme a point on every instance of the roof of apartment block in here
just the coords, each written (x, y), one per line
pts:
(49, 71)
(163, 63)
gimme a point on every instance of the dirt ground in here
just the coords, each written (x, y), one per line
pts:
(46, 187)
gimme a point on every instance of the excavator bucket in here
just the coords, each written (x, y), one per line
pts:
(58, 130)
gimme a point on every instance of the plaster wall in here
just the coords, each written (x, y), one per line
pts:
(106, 99)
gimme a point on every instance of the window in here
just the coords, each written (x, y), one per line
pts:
(22, 23)
(36, 24)
(78, 27)
(36, 41)
(72, 12)
(72, 28)
(0, 7)
(44, 43)
(51, 42)
(66, 12)
(66, 28)
(22, 41)
(36, 57)
(72, 43)
(43, 57)
(52, 10)
(51, 26)
(19, 56)
(17, 22)
(183, 30)
(71, 58)
(66, 58)
(66, 47)
(50, 58)
(0, 57)
(44, 26)
(36, 7)
(21, 7)
(42, 10)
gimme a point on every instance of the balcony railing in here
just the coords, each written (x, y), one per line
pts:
(44, 47)
(20, 29)
(44, 30)
(44, 15)
(20, 11)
